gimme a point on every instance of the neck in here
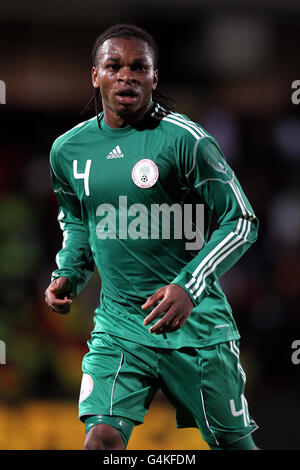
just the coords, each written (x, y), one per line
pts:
(117, 121)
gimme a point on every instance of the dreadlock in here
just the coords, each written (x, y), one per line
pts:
(125, 31)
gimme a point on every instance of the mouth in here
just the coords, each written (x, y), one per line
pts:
(126, 96)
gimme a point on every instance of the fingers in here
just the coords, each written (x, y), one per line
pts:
(152, 300)
(58, 305)
(162, 323)
(171, 321)
(58, 295)
(167, 328)
(175, 306)
(155, 313)
(158, 295)
(168, 323)
(173, 317)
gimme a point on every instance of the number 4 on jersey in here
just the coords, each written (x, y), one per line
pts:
(84, 176)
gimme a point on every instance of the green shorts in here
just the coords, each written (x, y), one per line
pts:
(205, 385)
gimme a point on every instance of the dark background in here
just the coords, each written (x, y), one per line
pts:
(230, 67)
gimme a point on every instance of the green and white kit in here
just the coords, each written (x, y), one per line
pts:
(121, 193)
(205, 385)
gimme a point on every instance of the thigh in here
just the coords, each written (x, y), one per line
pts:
(117, 379)
(208, 385)
(223, 398)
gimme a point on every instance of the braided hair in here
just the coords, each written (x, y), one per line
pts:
(126, 31)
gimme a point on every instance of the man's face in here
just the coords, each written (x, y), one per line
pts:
(126, 78)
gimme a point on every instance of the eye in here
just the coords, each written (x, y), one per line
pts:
(139, 67)
(113, 66)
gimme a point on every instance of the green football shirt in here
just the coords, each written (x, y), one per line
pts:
(137, 202)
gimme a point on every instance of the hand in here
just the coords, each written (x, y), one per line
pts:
(176, 304)
(58, 295)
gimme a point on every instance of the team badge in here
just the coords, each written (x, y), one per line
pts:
(145, 173)
(87, 385)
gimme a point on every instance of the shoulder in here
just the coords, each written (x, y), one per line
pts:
(60, 144)
(71, 135)
(179, 125)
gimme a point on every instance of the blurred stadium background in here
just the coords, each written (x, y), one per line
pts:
(229, 65)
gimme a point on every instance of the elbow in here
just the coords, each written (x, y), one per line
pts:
(253, 235)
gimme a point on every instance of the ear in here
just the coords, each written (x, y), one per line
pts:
(155, 79)
(95, 77)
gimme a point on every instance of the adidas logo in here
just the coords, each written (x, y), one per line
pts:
(115, 153)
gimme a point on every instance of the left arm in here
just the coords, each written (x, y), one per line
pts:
(220, 190)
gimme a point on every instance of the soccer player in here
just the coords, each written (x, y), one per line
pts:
(131, 183)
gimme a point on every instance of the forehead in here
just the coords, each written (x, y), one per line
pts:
(119, 48)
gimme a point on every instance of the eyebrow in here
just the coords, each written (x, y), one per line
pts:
(113, 59)
(117, 59)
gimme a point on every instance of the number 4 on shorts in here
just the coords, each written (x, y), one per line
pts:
(243, 411)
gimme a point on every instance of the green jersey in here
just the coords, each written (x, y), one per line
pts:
(131, 201)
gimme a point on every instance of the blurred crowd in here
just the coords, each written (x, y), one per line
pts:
(240, 91)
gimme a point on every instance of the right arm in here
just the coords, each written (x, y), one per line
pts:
(75, 264)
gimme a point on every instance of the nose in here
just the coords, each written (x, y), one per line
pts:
(126, 75)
